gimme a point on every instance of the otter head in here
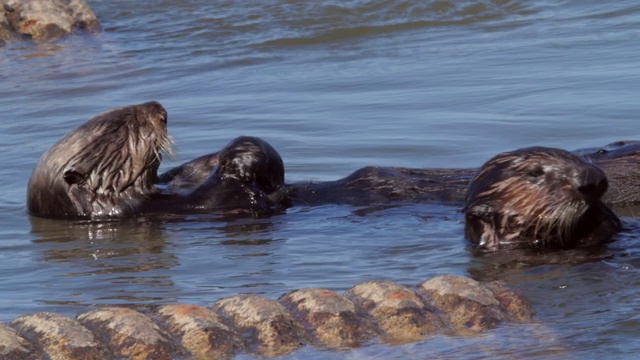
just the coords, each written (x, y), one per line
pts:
(248, 176)
(103, 168)
(538, 197)
(252, 160)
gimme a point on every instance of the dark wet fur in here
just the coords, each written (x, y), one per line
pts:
(538, 197)
(593, 224)
(372, 184)
(104, 168)
(107, 168)
(247, 175)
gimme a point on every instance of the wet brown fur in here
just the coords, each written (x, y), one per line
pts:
(103, 168)
(107, 168)
(538, 197)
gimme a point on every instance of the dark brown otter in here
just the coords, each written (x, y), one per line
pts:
(538, 197)
(107, 168)
(370, 185)
(246, 175)
(505, 205)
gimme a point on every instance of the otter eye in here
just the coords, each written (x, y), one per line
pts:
(602, 151)
(536, 173)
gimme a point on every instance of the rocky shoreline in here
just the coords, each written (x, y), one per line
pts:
(373, 311)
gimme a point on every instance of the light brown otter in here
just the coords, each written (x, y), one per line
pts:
(540, 198)
(107, 168)
(104, 168)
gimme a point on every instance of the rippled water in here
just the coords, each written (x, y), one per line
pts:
(334, 86)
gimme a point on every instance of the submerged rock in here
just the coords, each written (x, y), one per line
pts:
(269, 328)
(130, 334)
(471, 306)
(60, 337)
(332, 319)
(42, 20)
(374, 310)
(200, 331)
(401, 313)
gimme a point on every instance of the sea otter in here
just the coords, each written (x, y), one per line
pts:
(533, 197)
(373, 184)
(538, 197)
(107, 168)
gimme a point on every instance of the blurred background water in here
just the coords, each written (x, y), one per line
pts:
(333, 86)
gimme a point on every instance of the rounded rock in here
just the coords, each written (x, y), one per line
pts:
(201, 331)
(333, 319)
(514, 303)
(60, 337)
(470, 306)
(130, 334)
(400, 312)
(15, 347)
(270, 329)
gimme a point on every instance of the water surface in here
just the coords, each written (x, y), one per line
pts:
(334, 86)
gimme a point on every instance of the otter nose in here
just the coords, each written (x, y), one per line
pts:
(593, 182)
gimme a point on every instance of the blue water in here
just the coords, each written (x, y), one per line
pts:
(333, 86)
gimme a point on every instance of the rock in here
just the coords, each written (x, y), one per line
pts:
(130, 334)
(15, 347)
(400, 312)
(471, 306)
(369, 311)
(60, 337)
(200, 331)
(269, 328)
(334, 320)
(43, 20)
(517, 307)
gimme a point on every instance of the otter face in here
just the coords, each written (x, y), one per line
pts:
(538, 197)
(103, 168)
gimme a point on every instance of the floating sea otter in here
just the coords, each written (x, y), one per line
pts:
(533, 197)
(107, 168)
(538, 197)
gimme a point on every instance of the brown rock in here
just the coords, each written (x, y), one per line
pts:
(470, 306)
(60, 337)
(44, 19)
(130, 334)
(15, 347)
(200, 331)
(333, 319)
(400, 312)
(268, 327)
(517, 307)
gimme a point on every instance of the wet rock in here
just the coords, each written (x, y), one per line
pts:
(514, 303)
(43, 20)
(200, 331)
(15, 347)
(249, 323)
(60, 337)
(400, 312)
(334, 320)
(130, 334)
(469, 305)
(268, 327)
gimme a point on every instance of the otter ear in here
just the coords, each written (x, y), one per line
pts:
(73, 177)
